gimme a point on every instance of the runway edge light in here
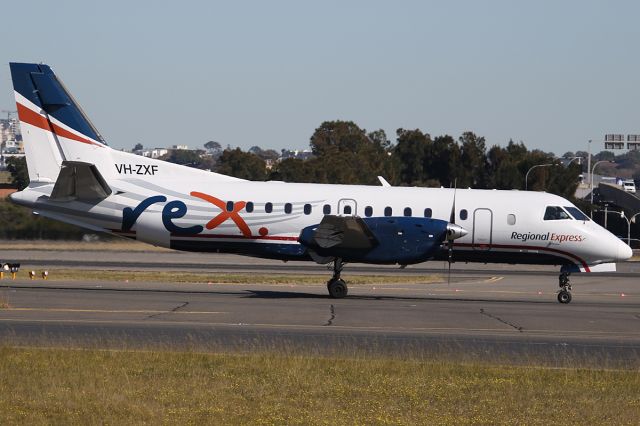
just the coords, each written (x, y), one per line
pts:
(14, 268)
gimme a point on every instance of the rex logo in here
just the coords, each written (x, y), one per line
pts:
(177, 209)
(224, 214)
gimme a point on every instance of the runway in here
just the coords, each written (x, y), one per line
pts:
(513, 316)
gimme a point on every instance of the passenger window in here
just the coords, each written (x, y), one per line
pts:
(326, 209)
(249, 207)
(368, 211)
(229, 206)
(287, 208)
(388, 211)
(307, 209)
(428, 212)
(463, 214)
(268, 208)
(511, 219)
(407, 211)
(346, 210)
(555, 213)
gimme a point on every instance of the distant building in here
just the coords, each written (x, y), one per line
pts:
(185, 147)
(6, 185)
(10, 130)
(299, 154)
(152, 153)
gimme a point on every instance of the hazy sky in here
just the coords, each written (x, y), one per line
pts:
(550, 73)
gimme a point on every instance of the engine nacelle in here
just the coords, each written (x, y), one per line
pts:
(391, 240)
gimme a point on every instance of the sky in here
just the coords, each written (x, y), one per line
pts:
(553, 74)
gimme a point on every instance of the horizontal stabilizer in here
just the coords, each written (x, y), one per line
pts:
(79, 181)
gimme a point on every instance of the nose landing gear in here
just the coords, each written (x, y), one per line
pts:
(336, 285)
(564, 295)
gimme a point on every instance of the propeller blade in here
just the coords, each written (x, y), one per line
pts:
(452, 217)
(453, 231)
(449, 261)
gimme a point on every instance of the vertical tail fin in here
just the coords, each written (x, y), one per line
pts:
(54, 127)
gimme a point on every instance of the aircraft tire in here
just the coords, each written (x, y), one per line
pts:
(337, 288)
(564, 296)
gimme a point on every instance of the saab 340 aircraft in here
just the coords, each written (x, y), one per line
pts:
(75, 177)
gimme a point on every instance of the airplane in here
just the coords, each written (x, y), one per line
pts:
(75, 177)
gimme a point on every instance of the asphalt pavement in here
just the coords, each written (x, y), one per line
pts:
(498, 312)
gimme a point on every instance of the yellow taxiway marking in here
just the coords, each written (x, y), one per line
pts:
(110, 311)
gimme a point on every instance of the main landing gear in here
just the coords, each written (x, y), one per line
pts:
(564, 295)
(336, 285)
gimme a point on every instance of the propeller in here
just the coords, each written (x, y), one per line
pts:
(453, 232)
(452, 221)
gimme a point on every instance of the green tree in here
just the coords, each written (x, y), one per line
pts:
(410, 154)
(138, 147)
(294, 170)
(604, 155)
(189, 158)
(240, 164)
(345, 153)
(213, 146)
(503, 165)
(17, 166)
(265, 154)
(444, 160)
(473, 170)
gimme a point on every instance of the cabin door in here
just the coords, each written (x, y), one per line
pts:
(482, 229)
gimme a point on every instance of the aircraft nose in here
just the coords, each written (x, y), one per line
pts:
(624, 251)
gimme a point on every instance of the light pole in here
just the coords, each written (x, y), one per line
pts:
(526, 177)
(589, 161)
(592, 170)
(622, 215)
(574, 159)
(629, 222)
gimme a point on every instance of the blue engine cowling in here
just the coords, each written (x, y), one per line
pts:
(401, 240)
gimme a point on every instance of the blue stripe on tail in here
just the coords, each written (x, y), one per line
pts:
(38, 83)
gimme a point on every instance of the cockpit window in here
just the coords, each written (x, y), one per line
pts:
(576, 213)
(555, 213)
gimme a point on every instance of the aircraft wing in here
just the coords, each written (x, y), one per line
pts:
(343, 232)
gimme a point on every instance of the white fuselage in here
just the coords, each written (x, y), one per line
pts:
(187, 209)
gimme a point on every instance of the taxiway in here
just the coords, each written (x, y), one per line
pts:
(512, 315)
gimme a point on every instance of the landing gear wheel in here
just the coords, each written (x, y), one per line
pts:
(336, 285)
(564, 296)
(337, 288)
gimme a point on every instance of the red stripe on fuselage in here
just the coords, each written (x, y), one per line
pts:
(241, 237)
(31, 117)
(218, 236)
(518, 247)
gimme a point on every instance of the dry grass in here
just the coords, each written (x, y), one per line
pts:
(116, 245)
(4, 299)
(57, 386)
(225, 278)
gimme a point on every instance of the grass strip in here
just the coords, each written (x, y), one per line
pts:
(118, 245)
(62, 386)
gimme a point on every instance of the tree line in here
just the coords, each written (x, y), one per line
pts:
(344, 153)
(347, 154)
